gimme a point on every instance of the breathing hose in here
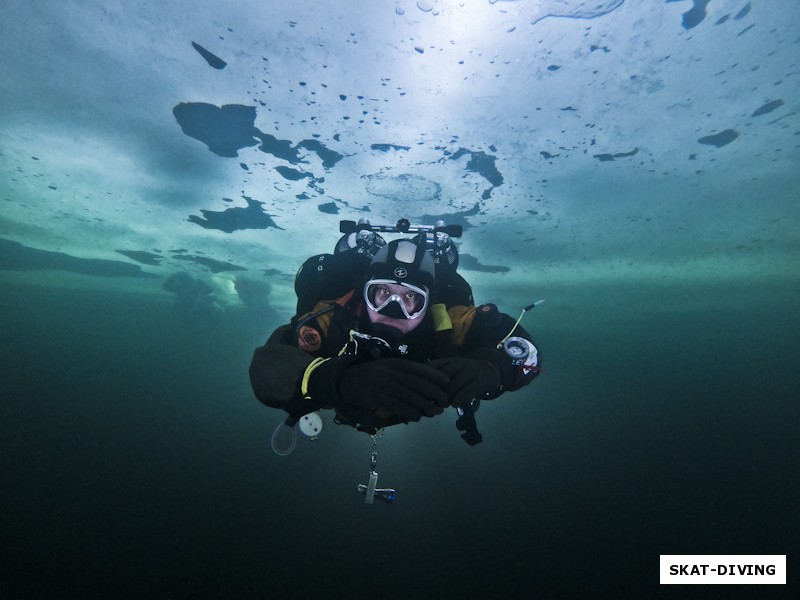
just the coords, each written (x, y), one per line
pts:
(274, 440)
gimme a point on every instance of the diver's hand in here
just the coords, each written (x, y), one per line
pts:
(393, 389)
(469, 378)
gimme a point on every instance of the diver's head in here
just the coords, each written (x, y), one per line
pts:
(399, 282)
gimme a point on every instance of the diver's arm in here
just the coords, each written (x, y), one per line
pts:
(276, 369)
(486, 330)
(367, 394)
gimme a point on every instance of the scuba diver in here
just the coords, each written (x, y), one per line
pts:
(387, 333)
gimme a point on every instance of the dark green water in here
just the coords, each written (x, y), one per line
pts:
(135, 461)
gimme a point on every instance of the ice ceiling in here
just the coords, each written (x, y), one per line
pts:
(225, 140)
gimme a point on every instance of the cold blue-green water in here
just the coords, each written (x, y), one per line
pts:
(166, 167)
(136, 463)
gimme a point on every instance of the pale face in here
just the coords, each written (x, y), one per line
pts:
(409, 298)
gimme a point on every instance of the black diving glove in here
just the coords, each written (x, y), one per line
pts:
(387, 391)
(469, 378)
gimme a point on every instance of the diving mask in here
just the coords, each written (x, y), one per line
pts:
(397, 300)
